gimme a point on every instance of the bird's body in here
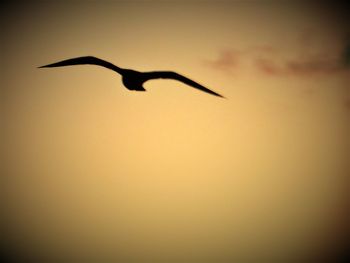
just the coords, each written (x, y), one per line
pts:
(132, 79)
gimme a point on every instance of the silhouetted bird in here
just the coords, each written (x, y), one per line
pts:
(132, 80)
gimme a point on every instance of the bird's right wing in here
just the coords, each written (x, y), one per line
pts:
(87, 60)
(176, 76)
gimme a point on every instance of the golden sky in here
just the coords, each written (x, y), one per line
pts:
(98, 173)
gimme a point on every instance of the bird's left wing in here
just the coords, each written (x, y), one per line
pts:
(86, 60)
(176, 76)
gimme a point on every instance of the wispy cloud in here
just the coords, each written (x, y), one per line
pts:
(313, 66)
(299, 67)
(272, 61)
(267, 66)
(230, 59)
(227, 61)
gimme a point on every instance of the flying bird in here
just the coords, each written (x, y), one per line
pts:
(132, 79)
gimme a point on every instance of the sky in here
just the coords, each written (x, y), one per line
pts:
(94, 172)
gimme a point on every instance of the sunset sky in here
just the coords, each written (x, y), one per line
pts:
(97, 173)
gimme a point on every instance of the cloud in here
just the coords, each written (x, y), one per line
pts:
(299, 67)
(267, 66)
(227, 61)
(315, 57)
(313, 66)
(312, 58)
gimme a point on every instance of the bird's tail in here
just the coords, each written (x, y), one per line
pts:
(87, 60)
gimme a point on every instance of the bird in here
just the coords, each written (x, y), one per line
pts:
(132, 79)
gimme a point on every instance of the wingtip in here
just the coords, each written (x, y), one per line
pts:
(47, 66)
(219, 95)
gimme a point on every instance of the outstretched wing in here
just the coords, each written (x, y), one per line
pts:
(87, 60)
(176, 76)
